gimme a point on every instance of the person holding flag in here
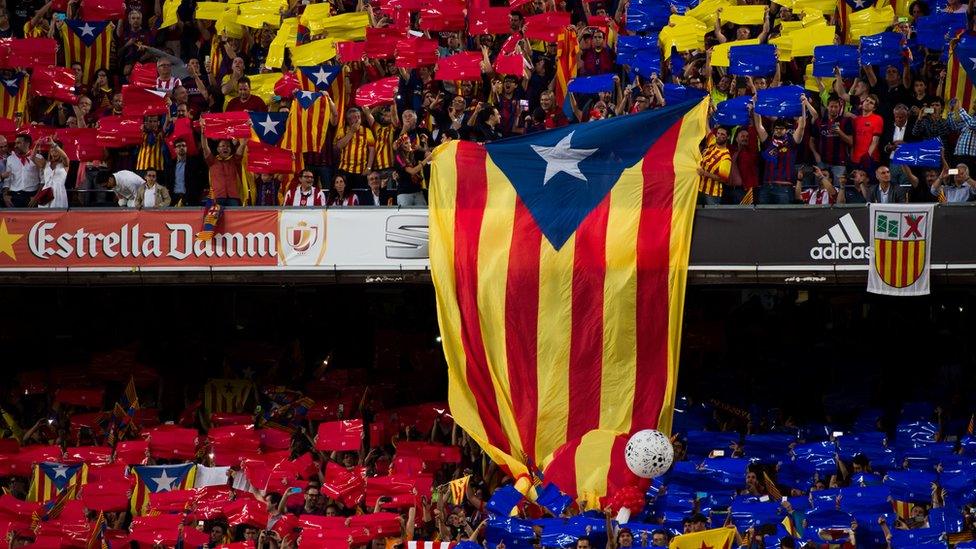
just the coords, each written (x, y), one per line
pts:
(224, 168)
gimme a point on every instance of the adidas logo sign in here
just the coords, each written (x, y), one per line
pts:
(842, 241)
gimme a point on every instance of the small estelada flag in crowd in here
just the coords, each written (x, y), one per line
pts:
(51, 478)
(901, 241)
(458, 488)
(717, 538)
(151, 479)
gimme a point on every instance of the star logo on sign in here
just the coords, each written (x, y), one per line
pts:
(164, 482)
(563, 158)
(269, 125)
(87, 30)
(321, 77)
(7, 240)
(61, 471)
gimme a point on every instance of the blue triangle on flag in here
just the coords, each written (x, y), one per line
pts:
(966, 56)
(561, 175)
(12, 85)
(306, 98)
(162, 478)
(87, 31)
(58, 473)
(321, 75)
(269, 126)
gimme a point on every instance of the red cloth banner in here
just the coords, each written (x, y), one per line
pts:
(89, 398)
(227, 125)
(382, 42)
(143, 75)
(351, 51)
(119, 131)
(416, 52)
(381, 92)
(442, 15)
(343, 436)
(57, 83)
(102, 10)
(26, 52)
(263, 158)
(461, 66)
(510, 64)
(140, 102)
(489, 21)
(546, 26)
(80, 143)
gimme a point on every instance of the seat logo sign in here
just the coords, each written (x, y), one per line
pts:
(842, 241)
(407, 237)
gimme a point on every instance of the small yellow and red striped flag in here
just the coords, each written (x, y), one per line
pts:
(458, 488)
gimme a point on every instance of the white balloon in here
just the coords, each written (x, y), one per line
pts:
(649, 453)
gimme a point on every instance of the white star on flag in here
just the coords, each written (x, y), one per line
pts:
(61, 471)
(269, 125)
(87, 30)
(164, 482)
(563, 158)
(858, 3)
(973, 59)
(321, 77)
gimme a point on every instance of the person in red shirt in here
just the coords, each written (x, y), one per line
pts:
(244, 100)
(555, 117)
(225, 169)
(597, 59)
(744, 176)
(867, 133)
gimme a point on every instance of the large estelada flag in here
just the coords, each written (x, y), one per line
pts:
(559, 261)
(13, 96)
(153, 479)
(88, 43)
(960, 83)
(50, 479)
(901, 242)
(716, 538)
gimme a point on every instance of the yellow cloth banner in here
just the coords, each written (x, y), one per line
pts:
(716, 538)
(284, 39)
(686, 34)
(315, 12)
(210, 11)
(227, 24)
(810, 81)
(720, 52)
(262, 85)
(784, 48)
(348, 26)
(258, 20)
(169, 13)
(824, 6)
(743, 15)
(869, 21)
(706, 10)
(806, 39)
(313, 53)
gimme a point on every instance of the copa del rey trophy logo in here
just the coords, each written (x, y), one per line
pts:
(302, 236)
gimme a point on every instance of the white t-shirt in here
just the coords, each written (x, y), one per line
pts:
(126, 185)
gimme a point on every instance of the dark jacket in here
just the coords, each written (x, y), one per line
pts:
(195, 179)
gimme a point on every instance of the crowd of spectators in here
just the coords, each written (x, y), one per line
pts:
(839, 150)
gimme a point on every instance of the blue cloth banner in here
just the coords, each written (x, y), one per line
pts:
(647, 15)
(674, 94)
(781, 101)
(883, 48)
(592, 84)
(934, 31)
(753, 60)
(926, 154)
(733, 112)
(504, 500)
(509, 529)
(552, 499)
(826, 58)
(640, 53)
(912, 486)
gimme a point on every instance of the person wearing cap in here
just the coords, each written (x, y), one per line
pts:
(779, 157)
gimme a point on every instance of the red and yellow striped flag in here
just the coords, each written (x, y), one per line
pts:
(958, 85)
(13, 96)
(88, 43)
(308, 121)
(545, 251)
(50, 479)
(716, 538)
(567, 53)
